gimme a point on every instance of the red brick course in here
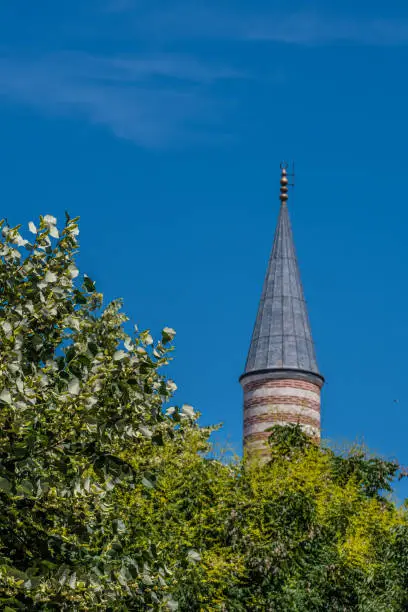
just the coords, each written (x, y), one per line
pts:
(285, 399)
(282, 416)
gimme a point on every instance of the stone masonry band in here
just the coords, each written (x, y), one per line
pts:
(270, 402)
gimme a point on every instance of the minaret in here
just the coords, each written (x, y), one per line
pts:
(281, 381)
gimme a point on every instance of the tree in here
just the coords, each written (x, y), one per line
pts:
(110, 500)
(78, 397)
(311, 530)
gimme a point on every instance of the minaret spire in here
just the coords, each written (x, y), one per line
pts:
(281, 381)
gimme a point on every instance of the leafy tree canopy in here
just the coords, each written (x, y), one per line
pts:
(109, 500)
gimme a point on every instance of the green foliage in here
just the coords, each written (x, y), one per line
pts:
(75, 392)
(307, 531)
(109, 501)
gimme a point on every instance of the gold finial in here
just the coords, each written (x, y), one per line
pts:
(284, 183)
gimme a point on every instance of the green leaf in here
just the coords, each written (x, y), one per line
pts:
(72, 581)
(168, 334)
(93, 348)
(89, 284)
(73, 271)
(74, 386)
(147, 483)
(25, 487)
(147, 579)
(5, 396)
(79, 297)
(54, 231)
(193, 555)
(50, 277)
(146, 432)
(120, 526)
(188, 411)
(84, 360)
(50, 220)
(5, 485)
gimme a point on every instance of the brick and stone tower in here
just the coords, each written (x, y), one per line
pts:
(281, 381)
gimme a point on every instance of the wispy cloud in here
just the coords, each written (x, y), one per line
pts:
(188, 21)
(158, 99)
(155, 100)
(311, 28)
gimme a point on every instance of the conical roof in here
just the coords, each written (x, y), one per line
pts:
(282, 338)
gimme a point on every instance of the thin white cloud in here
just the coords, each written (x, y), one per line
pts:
(155, 101)
(135, 68)
(163, 99)
(309, 28)
(189, 21)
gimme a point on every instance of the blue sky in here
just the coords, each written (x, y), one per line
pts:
(163, 125)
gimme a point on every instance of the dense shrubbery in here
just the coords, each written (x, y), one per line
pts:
(109, 502)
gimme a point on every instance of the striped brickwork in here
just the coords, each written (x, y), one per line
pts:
(274, 401)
